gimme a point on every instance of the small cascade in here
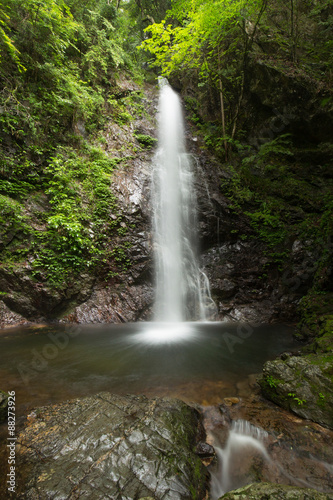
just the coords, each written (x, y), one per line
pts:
(182, 289)
(244, 439)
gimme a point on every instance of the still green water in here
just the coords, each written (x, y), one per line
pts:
(200, 362)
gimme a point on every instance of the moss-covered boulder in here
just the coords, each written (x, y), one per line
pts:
(303, 385)
(271, 491)
(109, 446)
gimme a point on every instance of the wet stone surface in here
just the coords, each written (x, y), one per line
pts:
(109, 446)
(270, 491)
(303, 385)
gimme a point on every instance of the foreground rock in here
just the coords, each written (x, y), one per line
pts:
(109, 446)
(303, 385)
(270, 491)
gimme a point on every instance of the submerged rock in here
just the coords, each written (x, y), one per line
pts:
(109, 446)
(271, 491)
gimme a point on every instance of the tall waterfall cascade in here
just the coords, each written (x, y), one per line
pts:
(182, 289)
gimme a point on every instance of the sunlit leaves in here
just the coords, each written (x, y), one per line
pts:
(194, 30)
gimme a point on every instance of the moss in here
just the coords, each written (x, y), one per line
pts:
(324, 342)
(146, 140)
(316, 319)
(324, 362)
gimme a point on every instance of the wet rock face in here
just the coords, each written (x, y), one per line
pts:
(301, 384)
(129, 296)
(244, 286)
(119, 288)
(271, 491)
(235, 272)
(109, 446)
(8, 317)
(37, 301)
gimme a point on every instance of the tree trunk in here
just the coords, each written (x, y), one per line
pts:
(222, 108)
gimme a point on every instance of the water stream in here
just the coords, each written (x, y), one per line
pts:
(182, 289)
(243, 439)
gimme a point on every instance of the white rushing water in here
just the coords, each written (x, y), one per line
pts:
(182, 289)
(243, 438)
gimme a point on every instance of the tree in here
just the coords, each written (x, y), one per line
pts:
(207, 38)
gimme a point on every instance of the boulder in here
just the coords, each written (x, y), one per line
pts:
(303, 385)
(109, 446)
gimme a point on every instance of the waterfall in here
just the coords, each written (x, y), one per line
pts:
(182, 289)
(243, 438)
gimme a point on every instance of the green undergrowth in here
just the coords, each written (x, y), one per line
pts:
(79, 191)
(58, 213)
(15, 230)
(69, 231)
(283, 200)
(282, 189)
(146, 140)
(316, 323)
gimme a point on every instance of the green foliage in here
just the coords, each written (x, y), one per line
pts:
(268, 225)
(15, 231)
(210, 45)
(70, 54)
(60, 61)
(121, 257)
(272, 382)
(12, 215)
(7, 47)
(271, 154)
(283, 200)
(79, 190)
(189, 43)
(235, 188)
(146, 140)
(322, 401)
(298, 400)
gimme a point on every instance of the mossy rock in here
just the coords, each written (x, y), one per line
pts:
(324, 342)
(303, 385)
(271, 491)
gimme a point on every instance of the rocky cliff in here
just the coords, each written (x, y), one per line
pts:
(259, 263)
